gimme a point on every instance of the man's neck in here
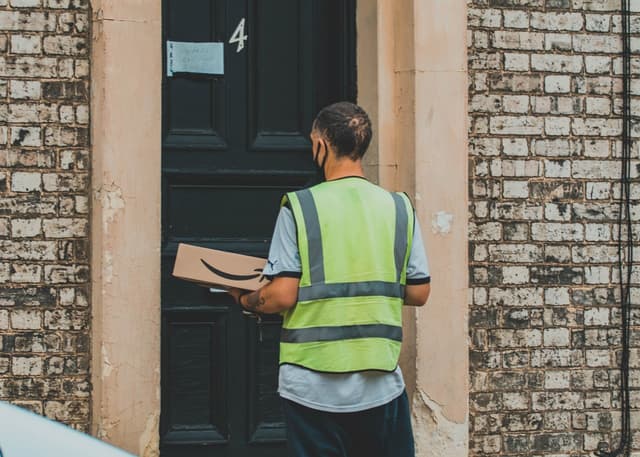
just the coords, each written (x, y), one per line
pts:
(343, 168)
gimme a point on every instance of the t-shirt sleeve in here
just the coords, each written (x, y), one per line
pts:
(418, 266)
(284, 257)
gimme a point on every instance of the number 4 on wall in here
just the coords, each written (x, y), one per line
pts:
(239, 36)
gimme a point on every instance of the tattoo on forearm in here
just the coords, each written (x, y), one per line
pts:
(254, 301)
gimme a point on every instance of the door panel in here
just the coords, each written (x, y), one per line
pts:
(232, 146)
(281, 75)
(195, 107)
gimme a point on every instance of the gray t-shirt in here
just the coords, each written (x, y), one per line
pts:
(335, 392)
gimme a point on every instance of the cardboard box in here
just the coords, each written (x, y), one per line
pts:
(213, 268)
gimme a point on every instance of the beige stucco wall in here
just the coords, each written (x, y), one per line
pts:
(415, 90)
(418, 99)
(126, 116)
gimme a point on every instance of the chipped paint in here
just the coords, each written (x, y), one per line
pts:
(149, 443)
(435, 434)
(441, 222)
(107, 368)
(107, 269)
(112, 202)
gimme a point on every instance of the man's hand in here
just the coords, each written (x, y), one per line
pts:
(236, 293)
(277, 296)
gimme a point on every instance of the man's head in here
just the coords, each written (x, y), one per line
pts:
(345, 127)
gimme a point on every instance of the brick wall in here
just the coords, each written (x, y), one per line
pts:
(545, 103)
(44, 207)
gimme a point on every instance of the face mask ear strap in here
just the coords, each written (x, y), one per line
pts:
(316, 152)
(326, 155)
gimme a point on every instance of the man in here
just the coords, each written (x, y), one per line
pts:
(345, 256)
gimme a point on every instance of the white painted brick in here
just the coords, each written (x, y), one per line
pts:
(596, 127)
(518, 125)
(560, 212)
(64, 227)
(67, 114)
(518, 40)
(480, 40)
(557, 21)
(24, 228)
(26, 273)
(597, 232)
(553, 148)
(515, 275)
(516, 62)
(597, 43)
(490, 231)
(598, 357)
(490, 18)
(598, 64)
(596, 148)
(556, 296)
(516, 189)
(82, 114)
(26, 136)
(516, 19)
(25, 89)
(26, 182)
(556, 337)
(556, 105)
(557, 232)
(26, 366)
(27, 21)
(557, 168)
(556, 63)
(599, 106)
(557, 84)
(598, 22)
(598, 190)
(486, 103)
(554, 126)
(595, 169)
(26, 44)
(26, 319)
(515, 147)
(557, 379)
(596, 275)
(557, 42)
(520, 168)
(25, 3)
(515, 103)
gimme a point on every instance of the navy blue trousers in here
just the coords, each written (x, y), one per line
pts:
(384, 431)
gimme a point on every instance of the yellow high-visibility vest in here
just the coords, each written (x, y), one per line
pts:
(354, 240)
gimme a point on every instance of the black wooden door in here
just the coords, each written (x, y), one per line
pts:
(232, 145)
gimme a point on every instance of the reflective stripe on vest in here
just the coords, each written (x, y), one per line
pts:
(346, 332)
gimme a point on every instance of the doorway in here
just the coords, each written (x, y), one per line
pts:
(232, 145)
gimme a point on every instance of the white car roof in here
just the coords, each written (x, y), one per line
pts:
(26, 434)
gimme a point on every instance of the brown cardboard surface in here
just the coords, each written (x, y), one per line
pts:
(211, 267)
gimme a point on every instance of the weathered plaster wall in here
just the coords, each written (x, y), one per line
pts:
(126, 108)
(421, 113)
(44, 208)
(545, 100)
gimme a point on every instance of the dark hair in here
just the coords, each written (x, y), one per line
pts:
(347, 127)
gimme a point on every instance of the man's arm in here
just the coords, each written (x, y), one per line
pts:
(279, 295)
(417, 295)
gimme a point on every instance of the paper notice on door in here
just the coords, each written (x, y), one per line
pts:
(198, 58)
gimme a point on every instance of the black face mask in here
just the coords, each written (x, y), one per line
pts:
(320, 177)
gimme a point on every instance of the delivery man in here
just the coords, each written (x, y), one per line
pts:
(345, 256)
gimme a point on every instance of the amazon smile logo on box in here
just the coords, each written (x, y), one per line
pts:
(232, 277)
(212, 267)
